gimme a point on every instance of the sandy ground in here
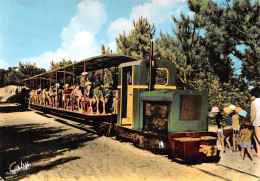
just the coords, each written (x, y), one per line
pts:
(60, 149)
(7, 92)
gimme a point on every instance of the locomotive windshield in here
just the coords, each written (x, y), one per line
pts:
(161, 76)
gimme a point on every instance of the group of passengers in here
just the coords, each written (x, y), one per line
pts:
(238, 125)
(98, 99)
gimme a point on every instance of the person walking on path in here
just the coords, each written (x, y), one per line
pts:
(236, 129)
(218, 118)
(255, 117)
(245, 141)
(228, 131)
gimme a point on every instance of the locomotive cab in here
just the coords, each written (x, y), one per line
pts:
(133, 80)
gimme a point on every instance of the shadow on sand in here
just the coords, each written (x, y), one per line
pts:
(34, 143)
(10, 108)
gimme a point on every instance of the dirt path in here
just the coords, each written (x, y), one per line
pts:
(57, 150)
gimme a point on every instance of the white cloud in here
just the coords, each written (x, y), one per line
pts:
(185, 10)
(90, 16)
(78, 39)
(119, 26)
(157, 11)
(45, 59)
(83, 44)
(3, 64)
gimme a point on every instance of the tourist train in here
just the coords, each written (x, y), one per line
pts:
(134, 100)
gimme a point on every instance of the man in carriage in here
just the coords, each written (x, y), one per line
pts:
(108, 96)
(97, 99)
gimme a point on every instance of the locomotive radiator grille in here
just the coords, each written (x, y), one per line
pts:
(190, 107)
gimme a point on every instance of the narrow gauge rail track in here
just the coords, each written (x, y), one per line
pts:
(218, 169)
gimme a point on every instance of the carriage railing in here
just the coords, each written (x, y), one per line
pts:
(69, 102)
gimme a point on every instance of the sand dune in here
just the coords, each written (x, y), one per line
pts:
(7, 92)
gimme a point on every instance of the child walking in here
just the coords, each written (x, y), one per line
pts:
(228, 131)
(236, 129)
(218, 118)
(245, 140)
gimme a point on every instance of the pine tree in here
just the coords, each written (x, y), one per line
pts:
(105, 50)
(185, 50)
(228, 25)
(61, 64)
(137, 43)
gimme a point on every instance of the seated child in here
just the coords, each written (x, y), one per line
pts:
(86, 100)
(66, 96)
(78, 95)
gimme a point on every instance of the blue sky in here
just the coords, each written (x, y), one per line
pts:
(39, 31)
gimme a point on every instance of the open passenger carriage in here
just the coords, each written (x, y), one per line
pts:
(145, 106)
(71, 88)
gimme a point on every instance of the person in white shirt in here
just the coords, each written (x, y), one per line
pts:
(255, 117)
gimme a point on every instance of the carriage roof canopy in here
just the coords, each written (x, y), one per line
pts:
(93, 63)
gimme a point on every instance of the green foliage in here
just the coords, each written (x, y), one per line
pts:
(28, 70)
(223, 94)
(203, 62)
(11, 77)
(2, 73)
(186, 50)
(61, 64)
(137, 43)
(105, 50)
(14, 75)
(228, 25)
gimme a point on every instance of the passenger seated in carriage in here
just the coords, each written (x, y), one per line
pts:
(108, 96)
(73, 98)
(51, 96)
(66, 96)
(39, 93)
(43, 97)
(76, 95)
(31, 96)
(97, 98)
(88, 97)
(58, 98)
(36, 96)
(97, 81)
